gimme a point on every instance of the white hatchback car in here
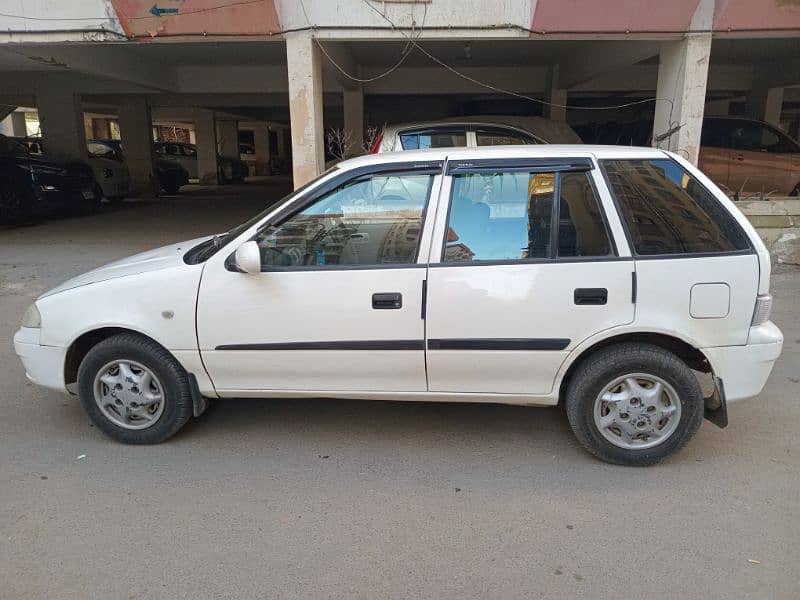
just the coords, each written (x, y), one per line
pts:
(612, 280)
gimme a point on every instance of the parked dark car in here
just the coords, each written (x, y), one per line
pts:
(33, 185)
(740, 155)
(171, 175)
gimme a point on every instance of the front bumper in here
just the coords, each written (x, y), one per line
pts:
(58, 199)
(745, 369)
(44, 365)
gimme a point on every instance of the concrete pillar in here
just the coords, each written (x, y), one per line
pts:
(206, 133)
(354, 119)
(556, 97)
(681, 93)
(228, 138)
(765, 103)
(14, 125)
(61, 122)
(305, 106)
(261, 146)
(136, 131)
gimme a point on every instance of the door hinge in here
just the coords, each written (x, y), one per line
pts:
(633, 287)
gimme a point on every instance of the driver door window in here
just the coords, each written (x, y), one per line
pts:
(376, 220)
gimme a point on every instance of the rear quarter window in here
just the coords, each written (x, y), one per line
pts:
(667, 211)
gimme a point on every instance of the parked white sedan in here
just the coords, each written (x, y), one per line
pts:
(110, 172)
(603, 278)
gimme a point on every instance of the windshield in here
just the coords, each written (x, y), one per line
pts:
(101, 150)
(205, 250)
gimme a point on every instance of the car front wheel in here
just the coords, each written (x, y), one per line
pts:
(134, 390)
(634, 404)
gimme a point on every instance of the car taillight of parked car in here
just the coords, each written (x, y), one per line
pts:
(376, 143)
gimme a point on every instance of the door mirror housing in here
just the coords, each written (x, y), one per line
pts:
(248, 258)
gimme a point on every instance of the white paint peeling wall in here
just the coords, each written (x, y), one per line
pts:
(59, 20)
(436, 13)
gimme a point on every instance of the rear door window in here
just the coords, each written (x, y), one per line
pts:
(667, 211)
(500, 136)
(438, 137)
(510, 216)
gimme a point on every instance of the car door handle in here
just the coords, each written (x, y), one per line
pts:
(584, 296)
(392, 300)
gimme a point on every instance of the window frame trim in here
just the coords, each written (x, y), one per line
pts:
(623, 221)
(286, 212)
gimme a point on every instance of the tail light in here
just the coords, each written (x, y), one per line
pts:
(376, 143)
(763, 309)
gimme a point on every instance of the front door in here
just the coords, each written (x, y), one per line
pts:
(524, 270)
(337, 305)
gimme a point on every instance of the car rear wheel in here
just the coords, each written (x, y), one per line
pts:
(134, 390)
(14, 204)
(634, 404)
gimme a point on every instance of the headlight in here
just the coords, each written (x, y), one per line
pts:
(32, 318)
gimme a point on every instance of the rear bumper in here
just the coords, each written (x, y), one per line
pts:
(745, 369)
(44, 365)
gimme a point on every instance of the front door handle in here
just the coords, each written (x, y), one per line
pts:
(584, 296)
(391, 300)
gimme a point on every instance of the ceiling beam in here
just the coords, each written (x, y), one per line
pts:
(111, 61)
(579, 67)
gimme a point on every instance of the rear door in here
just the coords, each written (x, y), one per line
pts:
(522, 269)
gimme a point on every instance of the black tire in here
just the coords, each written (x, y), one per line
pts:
(601, 368)
(15, 205)
(172, 188)
(173, 378)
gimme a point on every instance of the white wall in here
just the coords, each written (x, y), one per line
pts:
(471, 13)
(38, 15)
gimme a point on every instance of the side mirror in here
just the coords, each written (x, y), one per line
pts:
(248, 258)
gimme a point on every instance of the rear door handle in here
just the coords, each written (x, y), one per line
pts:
(584, 296)
(391, 300)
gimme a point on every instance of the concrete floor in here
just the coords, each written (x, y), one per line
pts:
(335, 499)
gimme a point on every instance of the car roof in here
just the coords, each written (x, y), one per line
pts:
(529, 151)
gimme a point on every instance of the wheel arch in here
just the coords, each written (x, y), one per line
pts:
(80, 346)
(687, 352)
